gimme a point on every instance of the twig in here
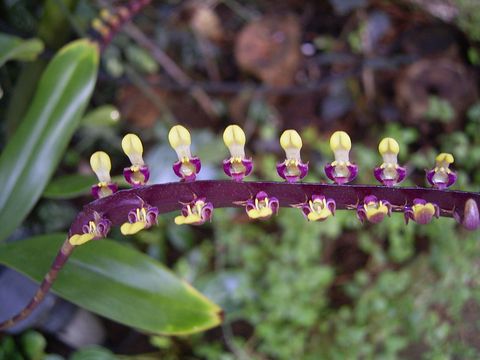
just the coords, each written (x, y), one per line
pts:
(147, 90)
(172, 69)
(60, 260)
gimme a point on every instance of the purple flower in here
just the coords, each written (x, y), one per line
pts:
(389, 173)
(422, 212)
(187, 167)
(373, 210)
(101, 166)
(292, 169)
(237, 166)
(140, 218)
(441, 177)
(341, 171)
(319, 208)
(95, 229)
(196, 212)
(262, 207)
(137, 174)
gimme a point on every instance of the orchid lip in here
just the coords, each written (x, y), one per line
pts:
(197, 212)
(319, 208)
(421, 211)
(95, 229)
(262, 206)
(140, 218)
(394, 177)
(188, 168)
(292, 171)
(237, 168)
(332, 174)
(136, 175)
(373, 210)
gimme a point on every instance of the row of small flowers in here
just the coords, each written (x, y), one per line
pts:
(261, 206)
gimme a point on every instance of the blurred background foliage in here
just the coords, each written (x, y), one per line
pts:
(290, 289)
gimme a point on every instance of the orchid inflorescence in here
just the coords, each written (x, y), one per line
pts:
(140, 206)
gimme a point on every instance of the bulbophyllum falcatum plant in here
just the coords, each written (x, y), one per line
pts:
(138, 208)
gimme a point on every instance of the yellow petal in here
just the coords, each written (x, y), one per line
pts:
(388, 146)
(290, 139)
(78, 239)
(322, 215)
(445, 157)
(192, 219)
(179, 220)
(253, 214)
(133, 148)
(234, 135)
(372, 212)
(265, 212)
(179, 136)
(130, 229)
(101, 165)
(340, 141)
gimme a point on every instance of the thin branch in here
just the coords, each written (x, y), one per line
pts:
(60, 260)
(172, 69)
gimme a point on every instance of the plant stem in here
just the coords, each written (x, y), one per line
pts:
(60, 260)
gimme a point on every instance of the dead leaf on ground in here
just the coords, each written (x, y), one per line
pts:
(269, 48)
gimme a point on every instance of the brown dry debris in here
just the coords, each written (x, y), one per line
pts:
(269, 48)
(442, 77)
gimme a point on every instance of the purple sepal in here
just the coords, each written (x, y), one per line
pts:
(330, 172)
(471, 217)
(420, 213)
(401, 174)
(102, 226)
(232, 171)
(187, 170)
(205, 213)
(452, 178)
(98, 191)
(377, 216)
(273, 203)
(136, 175)
(331, 205)
(151, 218)
(284, 173)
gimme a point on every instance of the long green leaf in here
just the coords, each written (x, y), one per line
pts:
(33, 153)
(15, 48)
(117, 282)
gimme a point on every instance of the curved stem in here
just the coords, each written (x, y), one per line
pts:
(225, 193)
(60, 260)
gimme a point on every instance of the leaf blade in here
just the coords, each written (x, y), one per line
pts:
(118, 283)
(15, 48)
(34, 151)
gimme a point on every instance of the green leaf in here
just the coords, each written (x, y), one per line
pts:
(34, 151)
(103, 116)
(117, 282)
(15, 48)
(69, 186)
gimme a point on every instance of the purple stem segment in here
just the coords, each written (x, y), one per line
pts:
(60, 260)
(224, 193)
